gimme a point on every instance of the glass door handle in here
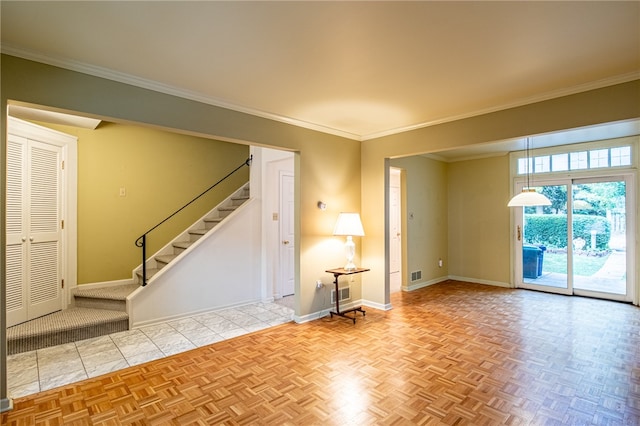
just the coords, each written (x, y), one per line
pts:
(519, 233)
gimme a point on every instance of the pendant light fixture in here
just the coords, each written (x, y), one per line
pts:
(529, 196)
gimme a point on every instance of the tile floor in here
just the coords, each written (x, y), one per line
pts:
(43, 369)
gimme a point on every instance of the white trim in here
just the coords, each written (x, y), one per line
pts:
(416, 286)
(187, 94)
(375, 305)
(598, 84)
(300, 319)
(479, 281)
(105, 284)
(69, 195)
(160, 320)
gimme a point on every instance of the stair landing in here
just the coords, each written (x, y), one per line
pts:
(96, 312)
(66, 326)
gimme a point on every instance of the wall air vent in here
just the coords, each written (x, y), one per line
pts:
(417, 275)
(344, 292)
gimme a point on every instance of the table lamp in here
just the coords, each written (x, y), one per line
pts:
(349, 225)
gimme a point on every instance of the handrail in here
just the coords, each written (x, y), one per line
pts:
(142, 240)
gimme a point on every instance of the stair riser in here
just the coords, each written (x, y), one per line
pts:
(113, 305)
(238, 201)
(31, 343)
(210, 225)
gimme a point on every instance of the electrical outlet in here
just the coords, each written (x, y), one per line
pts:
(319, 284)
(440, 263)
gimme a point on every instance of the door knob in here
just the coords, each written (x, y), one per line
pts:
(519, 233)
(285, 242)
(24, 239)
(30, 238)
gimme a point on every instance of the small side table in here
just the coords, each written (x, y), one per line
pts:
(337, 273)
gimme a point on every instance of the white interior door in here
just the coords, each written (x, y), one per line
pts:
(34, 229)
(287, 234)
(395, 232)
(16, 304)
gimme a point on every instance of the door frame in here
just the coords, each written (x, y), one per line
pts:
(395, 173)
(284, 268)
(69, 195)
(630, 178)
(274, 162)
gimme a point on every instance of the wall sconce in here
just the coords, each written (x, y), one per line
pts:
(349, 225)
(321, 205)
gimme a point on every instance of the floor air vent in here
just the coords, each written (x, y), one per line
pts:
(344, 292)
(417, 275)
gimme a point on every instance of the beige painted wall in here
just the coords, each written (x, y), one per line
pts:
(346, 174)
(160, 172)
(327, 167)
(479, 220)
(613, 103)
(426, 233)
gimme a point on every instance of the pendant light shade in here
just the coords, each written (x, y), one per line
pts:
(529, 196)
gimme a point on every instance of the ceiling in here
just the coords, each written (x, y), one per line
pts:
(355, 69)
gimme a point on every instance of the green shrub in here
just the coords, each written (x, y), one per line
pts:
(551, 230)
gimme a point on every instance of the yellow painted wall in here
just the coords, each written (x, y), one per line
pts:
(426, 201)
(327, 167)
(160, 172)
(479, 220)
(608, 104)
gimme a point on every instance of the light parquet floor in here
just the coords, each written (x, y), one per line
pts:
(450, 354)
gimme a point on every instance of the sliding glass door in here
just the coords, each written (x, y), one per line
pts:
(542, 237)
(600, 243)
(578, 245)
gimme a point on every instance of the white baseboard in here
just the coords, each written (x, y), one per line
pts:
(312, 316)
(343, 306)
(479, 281)
(416, 286)
(105, 284)
(6, 404)
(133, 325)
(379, 306)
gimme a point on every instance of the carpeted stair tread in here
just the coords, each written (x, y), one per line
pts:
(165, 258)
(110, 293)
(69, 319)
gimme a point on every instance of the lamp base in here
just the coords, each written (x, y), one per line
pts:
(350, 267)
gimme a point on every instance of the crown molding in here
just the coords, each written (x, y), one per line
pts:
(155, 86)
(198, 97)
(598, 84)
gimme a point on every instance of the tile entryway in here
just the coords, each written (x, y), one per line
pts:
(42, 369)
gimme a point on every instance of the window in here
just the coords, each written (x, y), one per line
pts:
(542, 165)
(621, 156)
(579, 160)
(595, 156)
(560, 162)
(598, 158)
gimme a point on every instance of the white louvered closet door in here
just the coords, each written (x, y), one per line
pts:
(16, 248)
(33, 229)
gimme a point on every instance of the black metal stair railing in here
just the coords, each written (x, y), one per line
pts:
(142, 240)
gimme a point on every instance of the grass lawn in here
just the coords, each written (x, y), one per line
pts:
(582, 265)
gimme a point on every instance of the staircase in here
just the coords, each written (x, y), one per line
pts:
(182, 242)
(100, 311)
(94, 312)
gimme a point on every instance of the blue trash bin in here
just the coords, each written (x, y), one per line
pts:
(540, 258)
(531, 261)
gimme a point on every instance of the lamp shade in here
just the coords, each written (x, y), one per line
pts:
(529, 197)
(349, 224)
